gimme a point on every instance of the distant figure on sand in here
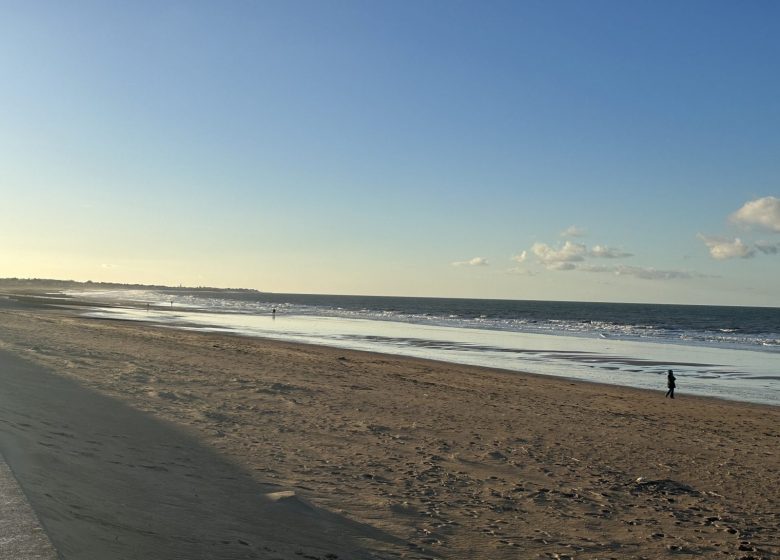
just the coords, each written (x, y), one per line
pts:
(273, 313)
(670, 383)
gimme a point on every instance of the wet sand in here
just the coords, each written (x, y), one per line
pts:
(148, 442)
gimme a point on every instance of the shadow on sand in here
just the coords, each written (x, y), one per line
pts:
(108, 481)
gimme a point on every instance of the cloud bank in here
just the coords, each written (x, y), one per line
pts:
(476, 261)
(573, 256)
(645, 273)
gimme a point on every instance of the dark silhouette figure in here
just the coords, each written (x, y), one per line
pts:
(670, 383)
(273, 313)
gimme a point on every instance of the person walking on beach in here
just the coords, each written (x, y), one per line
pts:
(670, 383)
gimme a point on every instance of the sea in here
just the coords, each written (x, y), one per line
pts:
(724, 352)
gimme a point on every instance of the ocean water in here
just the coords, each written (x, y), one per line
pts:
(726, 352)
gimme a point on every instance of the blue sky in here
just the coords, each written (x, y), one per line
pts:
(398, 148)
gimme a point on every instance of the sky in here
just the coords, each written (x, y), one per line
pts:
(550, 150)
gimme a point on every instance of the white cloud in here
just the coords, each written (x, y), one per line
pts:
(573, 231)
(521, 258)
(569, 253)
(601, 251)
(763, 212)
(571, 256)
(722, 248)
(562, 258)
(476, 261)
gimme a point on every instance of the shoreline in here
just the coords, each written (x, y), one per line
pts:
(726, 373)
(204, 331)
(454, 461)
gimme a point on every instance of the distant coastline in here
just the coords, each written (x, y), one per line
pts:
(56, 284)
(50, 283)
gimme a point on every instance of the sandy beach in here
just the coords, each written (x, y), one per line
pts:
(137, 441)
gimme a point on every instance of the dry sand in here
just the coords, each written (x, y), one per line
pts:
(136, 441)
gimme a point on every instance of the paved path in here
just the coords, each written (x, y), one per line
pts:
(21, 534)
